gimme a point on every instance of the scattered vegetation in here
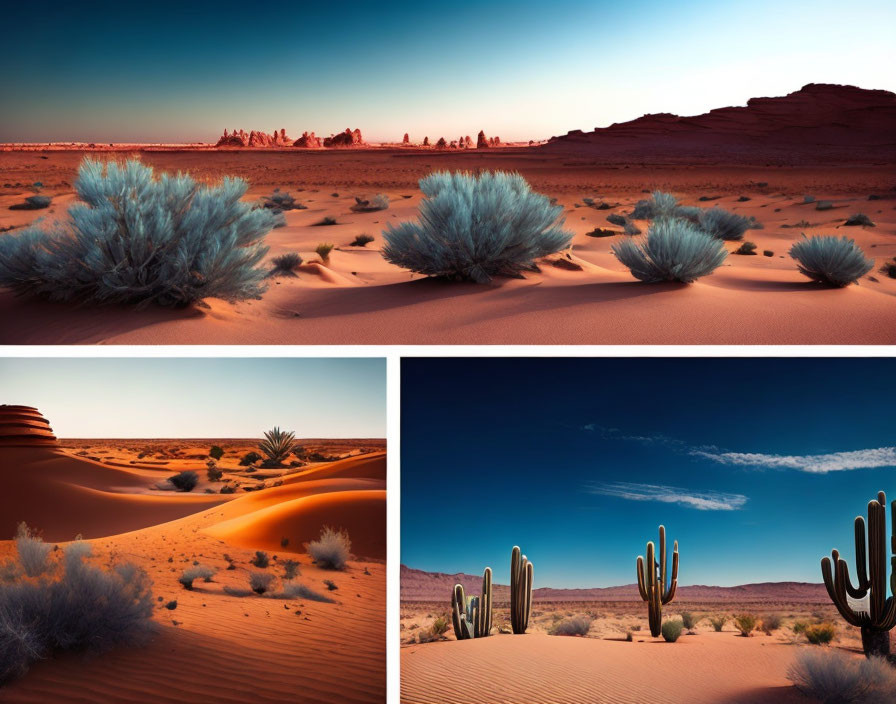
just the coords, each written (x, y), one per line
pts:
(820, 633)
(617, 219)
(333, 549)
(291, 569)
(575, 626)
(836, 261)
(326, 222)
(439, 626)
(689, 621)
(198, 572)
(745, 623)
(260, 582)
(286, 264)
(378, 202)
(279, 201)
(32, 552)
(261, 559)
(214, 473)
(277, 445)
(724, 225)
(250, 458)
(672, 630)
(32, 203)
(771, 622)
(747, 248)
(323, 250)
(836, 678)
(80, 607)
(141, 239)
(718, 622)
(294, 590)
(674, 250)
(216, 452)
(361, 241)
(858, 220)
(331, 585)
(824, 205)
(474, 227)
(184, 481)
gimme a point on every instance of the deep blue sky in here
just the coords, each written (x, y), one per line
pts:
(201, 398)
(543, 453)
(175, 71)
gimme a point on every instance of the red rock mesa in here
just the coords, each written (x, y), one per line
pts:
(24, 426)
(308, 141)
(349, 138)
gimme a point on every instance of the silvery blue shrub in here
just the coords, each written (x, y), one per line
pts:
(836, 261)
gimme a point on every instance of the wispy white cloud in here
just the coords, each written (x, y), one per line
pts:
(816, 464)
(700, 500)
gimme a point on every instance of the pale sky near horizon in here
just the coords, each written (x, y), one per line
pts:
(166, 71)
(199, 397)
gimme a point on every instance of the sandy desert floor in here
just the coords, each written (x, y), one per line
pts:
(214, 646)
(705, 666)
(356, 297)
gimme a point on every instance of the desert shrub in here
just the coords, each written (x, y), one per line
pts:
(332, 550)
(84, 608)
(197, 572)
(361, 241)
(33, 203)
(820, 633)
(323, 250)
(171, 605)
(631, 229)
(249, 458)
(278, 445)
(799, 627)
(808, 199)
(771, 622)
(228, 489)
(858, 220)
(575, 626)
(331, 585)
(260, 582)
(671, 631)
(836, 678)
(378, 202)
(326, 222)
(659, 205)
(185, 481)
(831, 260)
(629, 637)
(294, 590)
(724, 225)
(674, 250)
(745, 623)
(291, 568)
(287, 262)
(214, 473)
(439, 626)
(139, 239)
(279, 201)
(748, 248)
(474, 227)
(688, 620)
(889, 268)
(617, 219)
(32, 552)
(824, 205)
(261, 559)
(216, 452)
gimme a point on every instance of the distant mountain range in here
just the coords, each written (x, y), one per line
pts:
(417, 585)
(820, 123)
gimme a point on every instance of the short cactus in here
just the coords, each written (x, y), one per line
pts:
(652, 583)
(878, 616)
(472, 615)
(521, 571)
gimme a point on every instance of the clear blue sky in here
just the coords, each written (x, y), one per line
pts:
(201, 398)
(756, 466)
(174, 71)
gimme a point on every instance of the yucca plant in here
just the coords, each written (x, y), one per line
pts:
(142, 238)
(674, 250)
(475, 227)
(277, 445)
(836, 261)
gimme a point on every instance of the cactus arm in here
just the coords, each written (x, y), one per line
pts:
(673, 581)
(515, 557)
(877, 542)
(530, 574)
(861, 588)
(458, 603)
(662, 575)
(834, 571)
(642, 584)
(484, 622)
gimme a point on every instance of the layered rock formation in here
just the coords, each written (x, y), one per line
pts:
(481, 141)
(24, 426)
(308, 141)
(242, 138)
(349, 138)
(816, 124)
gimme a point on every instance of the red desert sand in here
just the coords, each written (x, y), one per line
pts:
(213, 646)
(760, 160)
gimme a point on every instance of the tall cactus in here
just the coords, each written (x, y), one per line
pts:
(879, 616)
(521, 572)
(652, 584)
(472, 615)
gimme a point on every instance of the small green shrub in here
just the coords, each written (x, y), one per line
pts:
(378, 202)
(216, 452)
(249, 458)
(326, 222)
(286, 263)
(745, 623)
(575, 626)
(214, 473)
(185, 481)
(323, 250)
(362, 241)
(688, 620)
(771, 622)
(261, 559)
(820, 633)
(439, 626)
(671, 631)
(291, 569)
(747, 248)
(858, 220)
(278, 445)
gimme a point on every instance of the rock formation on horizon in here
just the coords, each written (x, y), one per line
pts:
(407, 139)
(349, 138)
(308, 140)
(24, 426)
(426, 141)
(254, 138)
(441, 144)
(819, 123)
(481, 141)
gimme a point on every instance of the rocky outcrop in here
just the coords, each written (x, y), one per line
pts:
(349, 138)
(481, 141)
(308, 140)
(426, 141)
(254, 138)
(24, 426)
(468, 143)
(816, 124)
(441, 144)
(407, 139)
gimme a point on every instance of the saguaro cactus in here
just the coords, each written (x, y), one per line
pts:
(652, 584)
(879, 613)
(472, 615)
(521, 571)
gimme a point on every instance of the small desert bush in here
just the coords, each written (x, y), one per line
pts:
(745, 623)
(671, 630)
(659, 205)
(674, 250)
(261, 559)
(378, 202)
(858, 220)
(294, 590)
(617, 219)
(249, 458)
(139, 239)
(82, 607)
(197, 572)
(688, 620)
(326, 222)
(323, 250)
(260, 582)
(214, 473)
(287, 262)
(836, 261)
(332, 550)
(331, 585)
(291, 568)
(185, 481)
(361, 241)
(228, 489)
(575, 626)
(799, 627)
(724, 225)
(279, 201)
(277, 445)
(475, 227)
(771, 622)
(747, 248)
(837, 678)
(439, 626)
(32, 551)
(820, 633)
(216, 452)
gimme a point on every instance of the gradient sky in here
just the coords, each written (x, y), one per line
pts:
(173, 71)
(201, 398)
(578, 461)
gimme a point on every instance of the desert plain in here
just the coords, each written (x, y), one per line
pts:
(218, 641)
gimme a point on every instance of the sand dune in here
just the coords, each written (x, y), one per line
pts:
(709, 668)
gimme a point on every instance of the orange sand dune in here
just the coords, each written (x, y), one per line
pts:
(361, 513)
(709, 668)
(371, 466)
